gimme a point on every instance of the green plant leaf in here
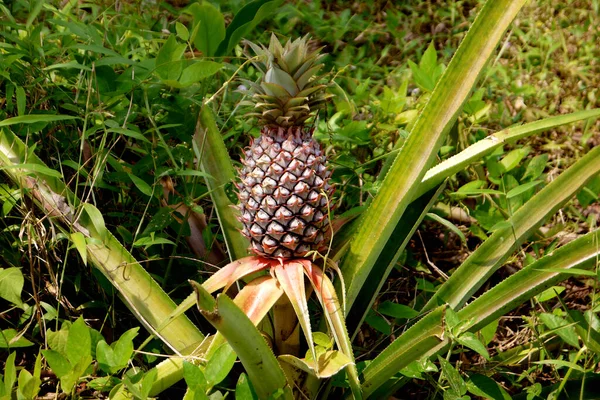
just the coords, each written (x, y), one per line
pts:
(141, 185)
(168, 60)
(35, 118)
(469, 340)
(10, 374)
(396, 310)
(182, 31)
(59, 364)
(79, 342)
(420, 150)
(244, 21)
(80, 245)
(457, 383)
(561, 327)
(11, 285)
(209, 26)
(10, 339)
(243, 389)
(426, 338)
(487, 388)
(218, 365)
(198, 71)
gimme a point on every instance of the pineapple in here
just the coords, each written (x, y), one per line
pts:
(285, 189)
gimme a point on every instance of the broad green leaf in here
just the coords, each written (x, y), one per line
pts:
(106, 357)
(561, 327)
(59, 364)
(79, 342)
(536, 167)
(218, 366)
(194, 377)
(198, 71)
(420, 150)
(148, 241)
(254, 353)
(29, 385)
(244, 21)
(168, 64)
(243, 389)
(512, 159)
(487, 388)
(522, 189)
(11, 339)
(80, 244)
(209, 26)
(96, 219)
(488, 257)
(484, 147)
(141, 185)
(396, 310)
(124, 347)
(11, 285)
(10, 373)
(182, 31)
(551, 292)
(457, 383)
(469, 340)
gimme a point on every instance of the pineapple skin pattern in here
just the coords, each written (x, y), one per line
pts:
(285, 185)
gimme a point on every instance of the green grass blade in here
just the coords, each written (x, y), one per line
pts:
(262, 367)
(429, 132)
(426, 338)
(488, 257)
(144, 297)
(215, 161)
(477, 151)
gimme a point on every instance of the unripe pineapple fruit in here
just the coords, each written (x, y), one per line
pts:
(285, 190)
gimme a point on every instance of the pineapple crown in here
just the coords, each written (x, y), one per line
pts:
(289, 91)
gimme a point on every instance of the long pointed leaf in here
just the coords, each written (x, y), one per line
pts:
(454, 164)
(420, 150)
(488, 257)
(335, 318)
(215, 161)
(389, 256)
(291, 278)
(262, 367)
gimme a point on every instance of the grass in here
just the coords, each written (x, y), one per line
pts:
(130, 153)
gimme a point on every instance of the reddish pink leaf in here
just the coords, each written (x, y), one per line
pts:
(291, 278)
(230, 273)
